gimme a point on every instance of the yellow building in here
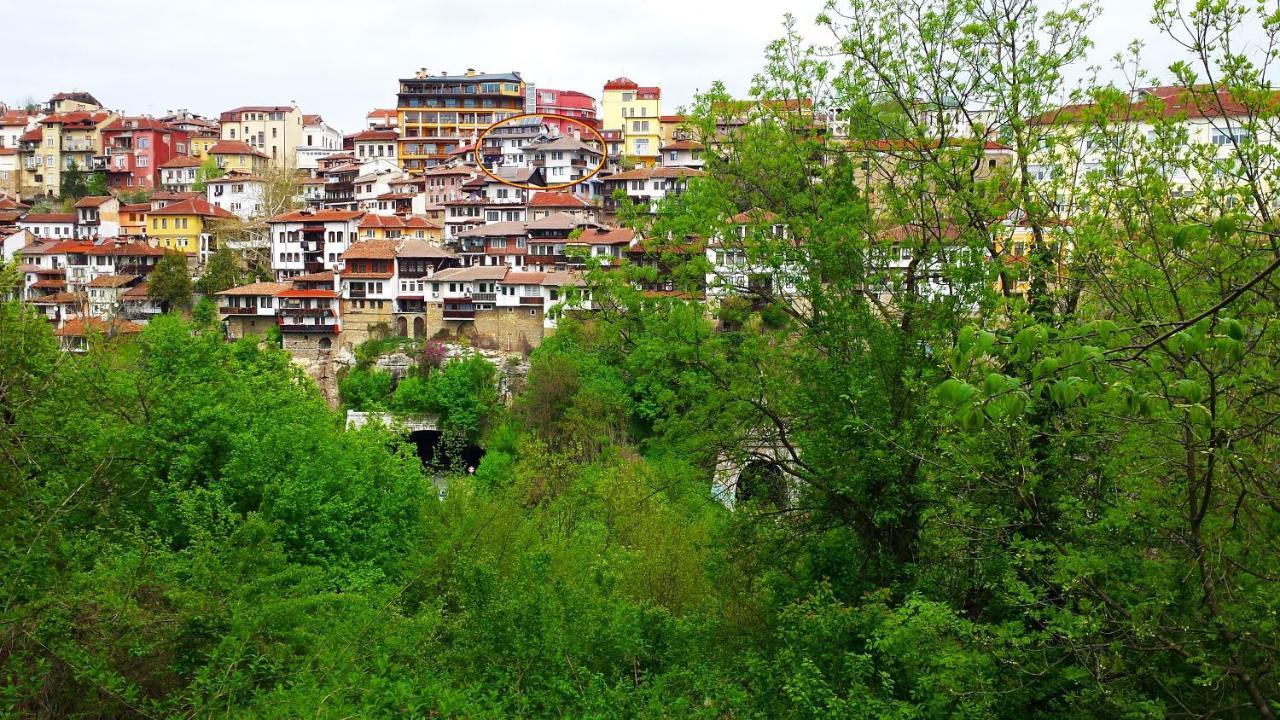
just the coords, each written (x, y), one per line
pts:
(66, 139)
(273, 130)
(201, 144)
(233, 156)
(440, 114)
(637, 112)
(185, 226)
(397, 227)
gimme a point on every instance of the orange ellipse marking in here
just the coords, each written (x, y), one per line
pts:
(604, 152)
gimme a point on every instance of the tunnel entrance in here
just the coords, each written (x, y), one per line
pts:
(761, 482)
(439, 453)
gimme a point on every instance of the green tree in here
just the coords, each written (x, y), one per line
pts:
(170, 282)
(221, 271)
(73, 182)
(208, 170)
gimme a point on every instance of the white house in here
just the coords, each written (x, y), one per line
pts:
(57, 226)
(318, 141)
(241, 195)
(379, 144)
(311, 241)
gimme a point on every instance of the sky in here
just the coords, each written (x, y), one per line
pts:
(341, 59)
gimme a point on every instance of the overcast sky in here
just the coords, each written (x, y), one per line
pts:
(341, 59)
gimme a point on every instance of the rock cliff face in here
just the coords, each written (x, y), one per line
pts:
(324, 367)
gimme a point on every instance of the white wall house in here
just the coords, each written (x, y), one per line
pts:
(318, 140)
(310, 241)
(241, 195)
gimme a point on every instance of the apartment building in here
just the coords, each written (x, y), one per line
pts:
(438, 114)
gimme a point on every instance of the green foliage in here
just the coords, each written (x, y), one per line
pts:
(365, 390)
(221, 272)
(463, 394)
(205, 314)
(170, 282)
(207, 171)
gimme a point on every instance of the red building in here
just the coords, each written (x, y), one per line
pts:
(136, 147)
(569, 103)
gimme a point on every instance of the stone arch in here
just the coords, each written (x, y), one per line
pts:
(419, 327)
(325, 343)
(402, 326)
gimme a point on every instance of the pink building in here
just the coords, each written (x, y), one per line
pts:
(569, 103)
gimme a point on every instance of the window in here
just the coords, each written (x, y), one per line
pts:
(143, 161)
(144, 143)
(1234, 135)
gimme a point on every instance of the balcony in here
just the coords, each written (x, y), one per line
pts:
(484, 297)
(354, 293)
(459, 314)
(77, 146)
(313, 266)
(306, 312)
(531, 300)
(230, 310)
(327, 328)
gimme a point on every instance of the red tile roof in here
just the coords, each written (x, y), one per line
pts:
(318, 216)
(94, 201)
(366, 135)
(621, 83)
(371, 250)
(558, 199)
(193, 206)
(258, 288)
(307, 294)
(50, 218)
(654, 172)
(78, 327)
(234, 147)
(396, 221)
(605, 236)
(182, 162)
(112, 281)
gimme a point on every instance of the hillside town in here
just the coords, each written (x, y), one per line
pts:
(435, 219)
(469, 210)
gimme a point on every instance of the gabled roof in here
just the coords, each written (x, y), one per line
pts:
(557, 199)
(49, 218)
(8, 203)
(298, 293)
(62, 298)
(415, 248)
(658, 173)
(754, 215)
(683, 145)
(317, 216)
(558, 221)
(371, 135)
(182, 162)
(124, 249)
(193, 206)
(234, 147)
(234, 113)
(322, 276)
(605, 236)
(396, 222)
(79, 327)
(94, 201)
(561, 278)
(523, 278)
(497, 229)
(371, 250)
(258, 288)
(474, 272)
(112, 281)
(137, 123)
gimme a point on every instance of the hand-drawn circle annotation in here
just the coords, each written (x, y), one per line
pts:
(540, 151)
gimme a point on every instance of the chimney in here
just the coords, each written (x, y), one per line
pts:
(471, 72)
